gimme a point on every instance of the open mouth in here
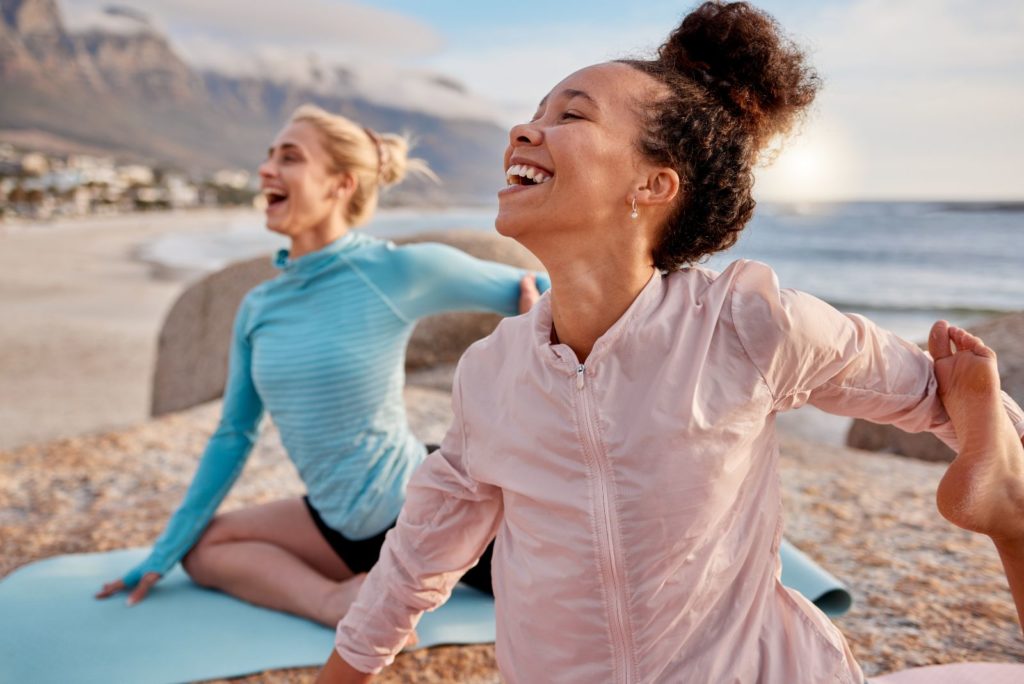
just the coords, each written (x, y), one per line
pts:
(275, 197)
(524, 174)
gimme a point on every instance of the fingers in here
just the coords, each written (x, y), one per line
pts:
(938, 341)
(109, 589)
(143, 587)
(411, 641)
(528, 293)
(965, 341)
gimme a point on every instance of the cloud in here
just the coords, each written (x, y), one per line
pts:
(928, 92)
(327, 27)
(517, 69)
(302, 42)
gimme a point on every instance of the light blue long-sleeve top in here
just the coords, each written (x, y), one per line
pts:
(321, 347)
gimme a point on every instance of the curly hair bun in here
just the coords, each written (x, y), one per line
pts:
(742, 56)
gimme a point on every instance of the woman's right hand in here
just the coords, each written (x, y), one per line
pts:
(337, 671)
(138, 593)
(528, 292)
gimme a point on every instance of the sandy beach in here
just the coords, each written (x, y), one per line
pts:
(80, 318)
(81, 315)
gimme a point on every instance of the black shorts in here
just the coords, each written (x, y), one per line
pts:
(361, 555)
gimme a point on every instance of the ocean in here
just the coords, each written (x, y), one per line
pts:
(902, 264)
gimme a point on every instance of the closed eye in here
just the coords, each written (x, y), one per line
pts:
(571, 115)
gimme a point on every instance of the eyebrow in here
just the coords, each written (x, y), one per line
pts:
(570, 93)
(284, 146)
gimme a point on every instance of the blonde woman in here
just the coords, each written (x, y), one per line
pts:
(321, 349)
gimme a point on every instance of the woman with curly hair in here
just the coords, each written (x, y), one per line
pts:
(619, 441)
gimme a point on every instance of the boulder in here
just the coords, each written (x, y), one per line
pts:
(443, 338)
(192, 350)
(1005, 335)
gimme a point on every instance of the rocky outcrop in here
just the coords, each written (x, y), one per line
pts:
(1005, 335)
(443, 338)
(192, 352)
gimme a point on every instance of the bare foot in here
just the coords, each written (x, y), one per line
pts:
(337, 603)
(340, 599)
(983, 489)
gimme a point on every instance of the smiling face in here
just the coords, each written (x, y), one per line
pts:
(575, 166)
(302, 191)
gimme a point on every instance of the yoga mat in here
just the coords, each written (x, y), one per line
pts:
(810, 579)
(53, 630)
(957, 673)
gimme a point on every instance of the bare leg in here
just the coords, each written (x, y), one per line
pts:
(983, 489)
(274, 556)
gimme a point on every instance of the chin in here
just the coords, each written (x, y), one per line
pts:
(510, 223)
(277, 226)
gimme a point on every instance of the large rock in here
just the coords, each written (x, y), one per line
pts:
(192, 351)
(443, 338)
(1005, 335)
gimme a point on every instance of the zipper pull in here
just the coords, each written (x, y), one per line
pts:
(579, 376)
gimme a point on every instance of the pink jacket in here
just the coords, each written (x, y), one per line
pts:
(636, 498)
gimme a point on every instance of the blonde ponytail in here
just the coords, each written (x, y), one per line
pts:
(376, 160)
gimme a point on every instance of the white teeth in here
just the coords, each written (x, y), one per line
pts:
(524, 171)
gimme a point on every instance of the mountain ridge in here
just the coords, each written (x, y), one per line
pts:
(131, 92)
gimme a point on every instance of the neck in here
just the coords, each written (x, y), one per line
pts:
(318, 237)
(589, 295)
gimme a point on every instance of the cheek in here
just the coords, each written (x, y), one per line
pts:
(310, 191)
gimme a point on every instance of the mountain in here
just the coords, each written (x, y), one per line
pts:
(124, 88)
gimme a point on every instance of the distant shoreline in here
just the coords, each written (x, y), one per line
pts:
(82, 307)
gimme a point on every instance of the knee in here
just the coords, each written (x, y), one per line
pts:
(196, 562)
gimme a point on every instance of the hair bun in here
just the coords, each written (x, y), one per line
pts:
(741, 55)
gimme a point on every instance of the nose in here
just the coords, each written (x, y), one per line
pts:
(266, 169)
(525, 134)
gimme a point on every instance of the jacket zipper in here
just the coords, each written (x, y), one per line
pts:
(620, 638)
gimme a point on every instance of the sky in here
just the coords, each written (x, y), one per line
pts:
(923, 99)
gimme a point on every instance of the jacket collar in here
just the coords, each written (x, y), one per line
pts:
(563, 356)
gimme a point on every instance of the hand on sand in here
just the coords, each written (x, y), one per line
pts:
(139, 593)
(528, 292)
(983, 489)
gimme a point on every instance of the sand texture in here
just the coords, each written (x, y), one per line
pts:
(925, 591)
(80, 320)
(81, 316)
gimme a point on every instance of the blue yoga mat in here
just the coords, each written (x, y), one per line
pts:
(53, 630)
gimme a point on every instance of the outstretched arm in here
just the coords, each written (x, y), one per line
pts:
(219, 467)
(983, 489)
(428, 278)
(808, 352)
(448, 519)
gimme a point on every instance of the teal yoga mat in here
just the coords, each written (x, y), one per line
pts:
(52, 630)
(810, 579)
